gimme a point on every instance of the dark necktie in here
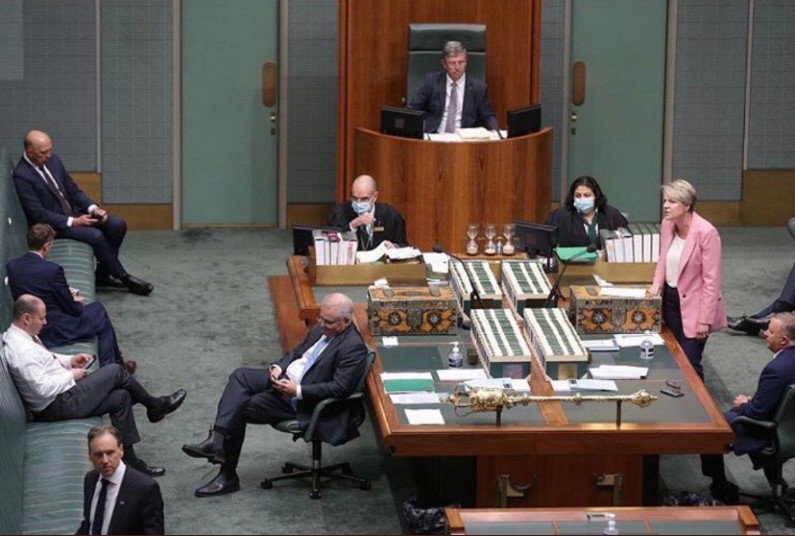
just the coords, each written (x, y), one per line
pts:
(99, 513)
(67, 209)
(452, 109)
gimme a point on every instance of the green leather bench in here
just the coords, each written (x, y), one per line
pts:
(42, 464)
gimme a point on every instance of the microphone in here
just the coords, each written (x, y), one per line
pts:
(551, 301)
(474, 295)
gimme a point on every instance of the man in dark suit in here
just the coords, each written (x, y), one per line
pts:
(57, 387)
(117, 499)
(49, 195)
(373, 222)
(776, 376)
(452, 99)
(329, 363)
(758, 322)
(69, 319)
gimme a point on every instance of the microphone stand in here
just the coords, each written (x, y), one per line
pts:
(552, 299)
(474, 296)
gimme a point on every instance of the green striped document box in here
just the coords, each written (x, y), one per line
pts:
(501, 346)
(556, 345)
(525, 284)
(484, 280)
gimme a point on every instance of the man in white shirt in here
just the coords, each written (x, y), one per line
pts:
(117, 499)
(57, 387)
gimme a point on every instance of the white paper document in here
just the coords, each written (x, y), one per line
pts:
(402, 254)
(619, 372)
(406, 376)
(460, 375)
(628, 340)
(374, 255)
(600, 281)
(416, 398)
(583, 385)
(622, 292)
(601, 345)
(476, 133)
(388, 342)
(424, 416)
(437, 261)
(518, 385)
(444, 136)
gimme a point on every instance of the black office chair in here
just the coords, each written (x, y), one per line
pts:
(426, 42)
(292, 470)
(782, 431)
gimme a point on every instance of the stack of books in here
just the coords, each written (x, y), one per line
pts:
(638, 242)
(334, 248)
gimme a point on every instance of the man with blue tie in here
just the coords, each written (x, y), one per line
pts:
(117, 499)
(328, 364)
(48, 195)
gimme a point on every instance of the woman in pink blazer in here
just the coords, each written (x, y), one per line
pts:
(688, 273)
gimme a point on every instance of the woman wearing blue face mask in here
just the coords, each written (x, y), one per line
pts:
(583, 214)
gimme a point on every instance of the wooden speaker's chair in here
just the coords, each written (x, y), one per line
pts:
(782, 432)
(426, 42)
(339, 471)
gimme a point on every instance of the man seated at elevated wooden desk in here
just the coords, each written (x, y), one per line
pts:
(372, 222)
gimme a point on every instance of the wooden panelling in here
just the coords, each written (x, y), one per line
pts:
(768, 197)
(440, 188)
(308, 213)
(373, 42)
(726, 213)
(144, 217)
(91, 184)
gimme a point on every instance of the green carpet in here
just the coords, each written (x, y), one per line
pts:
(210, 313)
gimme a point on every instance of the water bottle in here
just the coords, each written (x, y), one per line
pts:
(455, 359)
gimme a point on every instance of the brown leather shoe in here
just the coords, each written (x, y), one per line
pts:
(130, 366)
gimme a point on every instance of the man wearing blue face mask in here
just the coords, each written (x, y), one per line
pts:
(372, 222)
(583, 214)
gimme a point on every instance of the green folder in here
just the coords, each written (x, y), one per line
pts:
(565, 254)
(408, 386)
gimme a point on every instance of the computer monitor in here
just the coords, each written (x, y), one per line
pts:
(522, 121)
(303, 237)
(403, 122)
(537, 239)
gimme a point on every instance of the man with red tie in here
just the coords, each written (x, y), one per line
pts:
(48, 194)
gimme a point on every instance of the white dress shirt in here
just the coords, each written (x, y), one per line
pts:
(39, 374)
(459, 88)
(295, 370)
(672, 260)
(114, 485)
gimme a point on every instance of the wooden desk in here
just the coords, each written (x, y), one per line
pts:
(569, 462)
(660, 520)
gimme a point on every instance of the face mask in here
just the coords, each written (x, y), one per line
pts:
(583, 204)
(361, 207)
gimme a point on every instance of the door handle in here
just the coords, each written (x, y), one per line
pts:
(572, 120)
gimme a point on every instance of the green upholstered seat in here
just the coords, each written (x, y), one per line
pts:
(791, 227)
(77, 260)
(12, 445)
(426, 42)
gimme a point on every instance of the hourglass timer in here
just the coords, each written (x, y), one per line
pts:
(472, 233)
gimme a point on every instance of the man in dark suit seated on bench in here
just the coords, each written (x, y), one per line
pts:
(69, 319)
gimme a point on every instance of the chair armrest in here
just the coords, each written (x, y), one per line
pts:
(768, 426)
(309, 432)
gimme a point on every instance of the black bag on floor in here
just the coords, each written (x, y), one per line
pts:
(688, 498)
(423, 520)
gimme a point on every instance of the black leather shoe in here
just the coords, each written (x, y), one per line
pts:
(151, 470)
(726, 492)
(208, 448)
(138, 286)
(750, 325)
(222, 483)
(169, 405)
(109, 282)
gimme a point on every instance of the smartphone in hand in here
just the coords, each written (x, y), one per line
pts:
(90, 362)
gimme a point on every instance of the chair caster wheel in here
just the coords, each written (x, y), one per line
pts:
(366, 485)
(346, 469)
(286, 469)
(266, 484)
(314, 494)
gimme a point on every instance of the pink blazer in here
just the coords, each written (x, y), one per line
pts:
(700, 296)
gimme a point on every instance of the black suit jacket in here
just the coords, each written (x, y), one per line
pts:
(388, 225)
(432, 97)
(139, 505)
(773, 380)
(30, 274)
(40, 204)
(335, 374)
(571, 226)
